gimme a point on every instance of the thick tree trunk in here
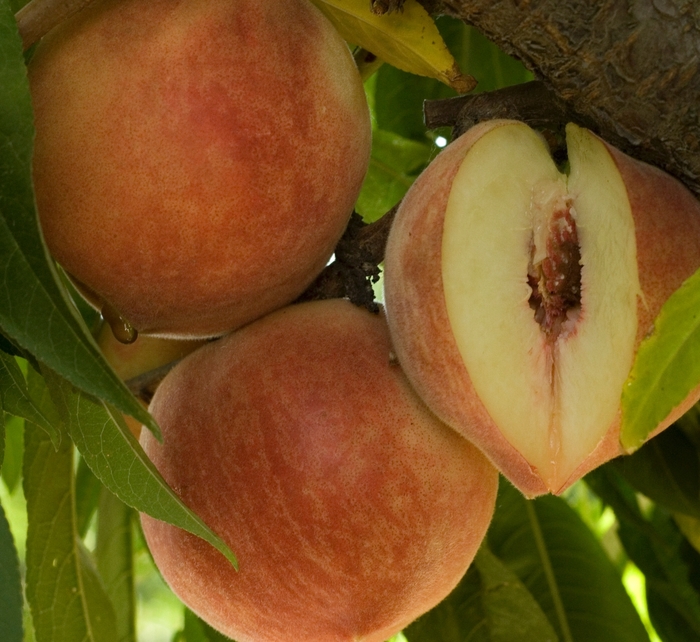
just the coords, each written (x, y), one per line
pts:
(630, 66)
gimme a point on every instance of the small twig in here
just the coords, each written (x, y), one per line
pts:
(533, 103)
(356, 267)
(38, 17)
(144, 385)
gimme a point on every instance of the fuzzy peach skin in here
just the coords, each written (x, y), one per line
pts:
(196, 162)
(351, 508)
(667, 232)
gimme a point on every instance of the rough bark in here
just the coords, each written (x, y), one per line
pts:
(630, 67)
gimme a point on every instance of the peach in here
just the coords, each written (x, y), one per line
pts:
(196, 162)
(350, 507)
(518, 295)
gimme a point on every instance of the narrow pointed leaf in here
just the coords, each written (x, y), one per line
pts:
(35, 311)
(88, 490)
(666, 469)
(10, 585)
(406, 39)
(666, 368)
(14, 451)
(9, 347)
(15, 398)
(490, 604)
(547, 545)
(114, 555)
(116, 458)
(668, 561)
(690, 527)
(66, 597)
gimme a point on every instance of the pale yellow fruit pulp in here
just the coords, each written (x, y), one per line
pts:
(552, 400)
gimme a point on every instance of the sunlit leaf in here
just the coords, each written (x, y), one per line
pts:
(116, 458)
(67, 599)
(406, 39)
(666, 368)
(490, 604)
(35, 311)
(547, 545)
(394, 165)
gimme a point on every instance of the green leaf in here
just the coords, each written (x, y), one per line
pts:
(196, 630)
(490, 604)
(35, 311)
(407, 39)
(547, 545)
(10, 585)
(67, 600)
(114, 554)
(399, 95)
(116, 458)
(2, 436)
(673, 597)
(394, 165)
(15, 398)
(492, 68)
(14, 451)
(667, 470)
(666, 368)
(88, 490)
(9, 347)
(668, 561)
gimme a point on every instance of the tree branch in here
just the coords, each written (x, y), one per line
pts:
(632, 67)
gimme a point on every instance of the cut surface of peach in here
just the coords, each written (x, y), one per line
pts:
(518, 292)
(540, 278)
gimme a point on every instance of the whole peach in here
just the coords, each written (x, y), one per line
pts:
(351, 508)
(196, 162)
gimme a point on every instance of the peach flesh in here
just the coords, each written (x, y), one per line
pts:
(664, 251)
(351, 508)
(196, 163)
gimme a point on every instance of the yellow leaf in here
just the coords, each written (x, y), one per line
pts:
(408, 39)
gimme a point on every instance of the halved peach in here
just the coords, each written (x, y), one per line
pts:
(518, 294)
